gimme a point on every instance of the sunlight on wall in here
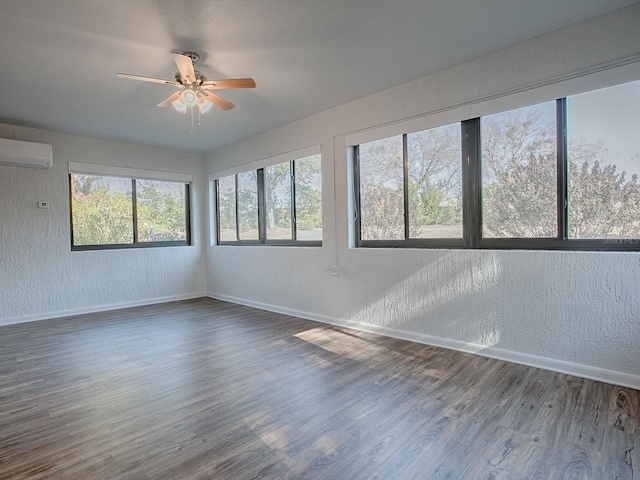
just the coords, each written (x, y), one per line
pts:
(444, 295)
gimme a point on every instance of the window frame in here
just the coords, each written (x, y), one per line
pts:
(472, 200)
(262, 221)
(407, 241)
(134, 218)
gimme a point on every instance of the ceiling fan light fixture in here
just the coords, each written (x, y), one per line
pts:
(189, 98)
(204, 105)
(179, 106)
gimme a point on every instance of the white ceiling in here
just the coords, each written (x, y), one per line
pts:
(60, 58)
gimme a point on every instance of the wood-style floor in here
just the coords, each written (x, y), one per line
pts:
(205, 389)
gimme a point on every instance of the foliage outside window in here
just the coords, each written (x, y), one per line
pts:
(308, 198)
(280, 205)
(227, 209)
(116, 212)
(523, 184)
(277, 190)
(247, 204)
(411, 186)
(519, 173)
(604, 164)
(382, 190)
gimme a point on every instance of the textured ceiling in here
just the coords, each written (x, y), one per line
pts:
(60, 58)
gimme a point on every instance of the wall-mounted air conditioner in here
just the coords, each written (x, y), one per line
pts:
(25, 154)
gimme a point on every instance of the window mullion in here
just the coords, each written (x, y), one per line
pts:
(71, 210)
(357, 193)
(294, 215)
(134, 207)
(216, 184)
(471, 178)
(187, 197)
(237, 209)
(405, 175)
(563, 168)
(262, 217)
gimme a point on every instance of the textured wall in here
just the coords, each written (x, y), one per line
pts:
(40, 275)
(577, 307)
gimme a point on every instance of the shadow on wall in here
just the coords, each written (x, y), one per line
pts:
(453, 296)
(579, 308)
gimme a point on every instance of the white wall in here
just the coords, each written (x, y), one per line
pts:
(40, 277)
(571, 311)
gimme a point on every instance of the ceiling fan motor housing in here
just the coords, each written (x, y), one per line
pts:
(200, 78)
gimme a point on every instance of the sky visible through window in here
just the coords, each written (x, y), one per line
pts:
(610, 115)
(519, 169)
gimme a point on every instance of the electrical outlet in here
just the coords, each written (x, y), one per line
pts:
(43, 204)
(334, 270)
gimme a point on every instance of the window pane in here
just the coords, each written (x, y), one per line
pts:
(227, 208)
(102, 210)
(604, 163)
(381, 190)
(162, 211)
(277, 190)
(435, 183)
(308, 173)
(248, 205)
(519, 173)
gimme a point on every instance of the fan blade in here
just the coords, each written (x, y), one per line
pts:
(229, 83)
(140, 78)
(170, 99)
(185, 67)
(219, 101)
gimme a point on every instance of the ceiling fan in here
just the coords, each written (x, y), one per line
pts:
(193, 87)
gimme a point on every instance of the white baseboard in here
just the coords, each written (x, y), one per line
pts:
(98, 308)
(561, 366)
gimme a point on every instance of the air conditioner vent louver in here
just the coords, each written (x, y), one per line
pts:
(25, 154)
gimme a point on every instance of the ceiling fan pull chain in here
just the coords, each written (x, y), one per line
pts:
(191, 108)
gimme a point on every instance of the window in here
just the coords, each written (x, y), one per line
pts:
(604, 164)
(382, 190)
(410, 188)
(247, 205)
(308, 198)
(277, 190)
(227, 210)
(561, 174)
(434, 183)
(519, 186)
(116, 212)
(278, 204)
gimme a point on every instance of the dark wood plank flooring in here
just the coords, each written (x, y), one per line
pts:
(204, 389)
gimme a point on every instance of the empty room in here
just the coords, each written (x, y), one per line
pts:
(320, 240)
